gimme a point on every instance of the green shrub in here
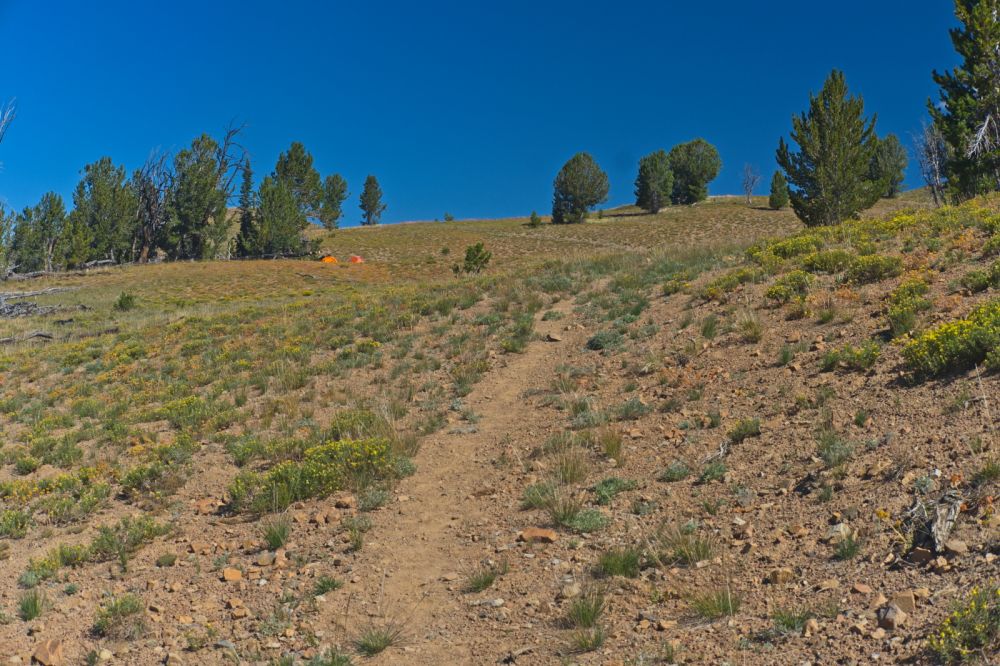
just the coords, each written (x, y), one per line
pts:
(827, 261)
(603, 340)
(619, 562)
(675, 471)
(717, 289)
(873, 268)
(981, 280)
(862, 357)
(788, 286)
(743, 429)
(970, 630)
(606, 489)
(476, 259)
(121, 618)
(126, 301)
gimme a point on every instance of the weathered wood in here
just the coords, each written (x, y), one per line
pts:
(30, 336)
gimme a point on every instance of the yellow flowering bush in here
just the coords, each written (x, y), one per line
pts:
(873, 268)
(788, 286)
(905, 302)
(970, 630)
(957, 345)
(324, 469)
(717, 289)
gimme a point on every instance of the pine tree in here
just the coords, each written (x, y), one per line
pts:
(334, 195)
(655, 182)
(248, 240)
(779, 192)
(104, 203)
(889, 165)
(579, 186)
(7, 222)
(197, 204)
(50, 219)
(280, 221)
(295, 169)
(694, 164)
(969, 114)
(371, 201)
(830, 175)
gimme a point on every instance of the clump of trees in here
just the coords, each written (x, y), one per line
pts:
(679, 177)
(176, 208)
(579, 186)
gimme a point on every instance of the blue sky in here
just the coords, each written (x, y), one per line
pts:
(464, 107)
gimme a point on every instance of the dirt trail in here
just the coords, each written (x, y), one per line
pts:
(424, 545)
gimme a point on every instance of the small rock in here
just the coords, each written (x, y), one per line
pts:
(231, 575)
(105, 655)
(878, 634)
(540, 534)
(956, 547)
(779, 576)
(663, 625)
(553, 337)
(861, 588)
(49, 653)
(905, 601)
(891, 617)
(811, 627)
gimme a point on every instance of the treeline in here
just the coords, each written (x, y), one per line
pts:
(839, 165)
(179, 208)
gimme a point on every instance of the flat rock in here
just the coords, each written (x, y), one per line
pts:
(231, 575)
(540, 534)
(891, 617)
(778, 576)
(49, 653)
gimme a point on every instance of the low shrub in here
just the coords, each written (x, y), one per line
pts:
(870, 268)
(827, 261)
(971, 630)
(862, 357)
(958, 345)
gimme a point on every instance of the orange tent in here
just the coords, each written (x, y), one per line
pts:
(355, 259)
(329, 259)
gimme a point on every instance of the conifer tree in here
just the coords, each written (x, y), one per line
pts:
(280, 221)
(694, 164)
(197, 203)
(579, 186)
(889, 165)
(968, 116)
(779, 192)
(248, 240)
(371, 201)
(104, 203)
(655, 182)
(830, 174)
(334, 195)
(295, 169)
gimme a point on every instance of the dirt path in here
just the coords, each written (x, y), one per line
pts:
(443, 525)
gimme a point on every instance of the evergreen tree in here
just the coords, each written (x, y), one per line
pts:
(7, 222)
(280, 221)
(26, 246)
(779, 192)
(969, 115)
(50, 219)
(694, 164)
(151, 185)
(579, 186)
(104, 203)
(197, 203)
(248, 240)
(73, 248)
(295, 170)
(371, 201)
(655, 182)
(830, 175)
(889, 165)
(334, 195)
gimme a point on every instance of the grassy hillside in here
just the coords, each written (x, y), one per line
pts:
(630, 439)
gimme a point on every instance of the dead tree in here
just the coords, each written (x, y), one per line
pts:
(151, 184)
(751, 178)
(7, 113)
(932, 153)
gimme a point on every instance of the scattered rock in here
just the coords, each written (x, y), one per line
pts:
(569, 591)
(553, 337)
(905, 601)
(231, 575)
(828, 584)
(861, 588)
(811, 627)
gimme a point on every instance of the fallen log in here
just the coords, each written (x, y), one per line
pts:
(30, 336)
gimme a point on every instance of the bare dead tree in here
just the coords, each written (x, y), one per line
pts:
(751, 178)
(151, 184)
(231, 158)
(7, 113)
(932, 153)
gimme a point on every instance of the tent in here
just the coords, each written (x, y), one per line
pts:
(328, 259)
(355, 259)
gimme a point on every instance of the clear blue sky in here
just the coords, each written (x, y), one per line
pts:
(460, 106)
